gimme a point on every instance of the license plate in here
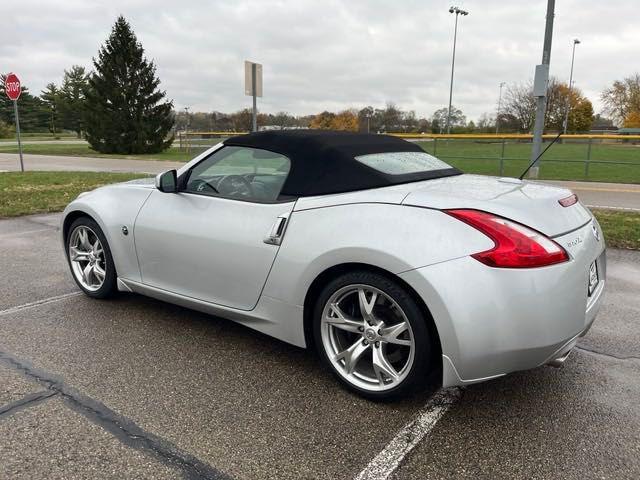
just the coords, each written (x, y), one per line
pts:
(593, 277)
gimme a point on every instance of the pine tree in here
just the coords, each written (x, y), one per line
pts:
(50, 97)
(72, 99)
(124, 110)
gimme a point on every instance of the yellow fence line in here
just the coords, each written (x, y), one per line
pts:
(469, 136)
(219, 134)
(513, 136)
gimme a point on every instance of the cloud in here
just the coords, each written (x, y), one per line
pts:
(331, 54)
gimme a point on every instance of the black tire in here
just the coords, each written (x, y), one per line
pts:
(419, 375)
(109, 287)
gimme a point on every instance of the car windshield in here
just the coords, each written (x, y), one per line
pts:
(400, 163)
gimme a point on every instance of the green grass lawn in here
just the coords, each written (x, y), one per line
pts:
(40, 192)
(563, 161)
(621, 229)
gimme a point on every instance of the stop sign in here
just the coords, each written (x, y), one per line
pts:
(12, 86)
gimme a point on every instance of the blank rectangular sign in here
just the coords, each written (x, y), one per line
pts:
(541, 80)
(248, 79)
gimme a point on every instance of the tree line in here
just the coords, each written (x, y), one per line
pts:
(515, 115)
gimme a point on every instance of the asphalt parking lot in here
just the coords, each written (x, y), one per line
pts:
(136, 388)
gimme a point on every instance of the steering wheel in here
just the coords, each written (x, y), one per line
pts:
(236, 185)
(200, 185)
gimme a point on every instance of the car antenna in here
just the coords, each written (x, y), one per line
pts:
(538, 157)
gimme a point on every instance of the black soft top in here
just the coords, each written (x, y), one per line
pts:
(322, 161)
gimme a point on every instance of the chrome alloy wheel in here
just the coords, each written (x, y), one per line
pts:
(367, 337)
(87, 258)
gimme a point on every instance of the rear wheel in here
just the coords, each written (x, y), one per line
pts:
(372, 335)
(90, 258)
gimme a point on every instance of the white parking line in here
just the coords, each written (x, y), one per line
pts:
(606, 207)
(388, 460)
(38, 303)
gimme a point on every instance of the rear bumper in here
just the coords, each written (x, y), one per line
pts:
(495, 321)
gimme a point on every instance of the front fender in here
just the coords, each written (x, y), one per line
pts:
(113, 207)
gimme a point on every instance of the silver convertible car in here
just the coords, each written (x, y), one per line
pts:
(397, 267)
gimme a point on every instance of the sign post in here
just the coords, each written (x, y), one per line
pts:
(253, 87)
(13, 90)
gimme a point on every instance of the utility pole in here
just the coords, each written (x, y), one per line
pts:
(457, 12)
(540, 89)
(502, 84)
(566, 113)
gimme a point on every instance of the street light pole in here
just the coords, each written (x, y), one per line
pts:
(566, 113)
(457, 11)
(502, 84)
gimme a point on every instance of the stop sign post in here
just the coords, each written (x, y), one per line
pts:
(13, 90)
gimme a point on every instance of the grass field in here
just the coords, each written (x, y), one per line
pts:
(563, 161)
(621, 229)
(41, 192)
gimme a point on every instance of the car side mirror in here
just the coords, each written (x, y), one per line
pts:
(167, 182)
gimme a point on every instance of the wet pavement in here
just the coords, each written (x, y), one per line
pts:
(136, 388)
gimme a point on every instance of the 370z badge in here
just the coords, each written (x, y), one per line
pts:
(574, 243)
(595, 231)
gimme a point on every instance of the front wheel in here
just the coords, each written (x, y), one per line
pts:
(372, 335)
(90, 259)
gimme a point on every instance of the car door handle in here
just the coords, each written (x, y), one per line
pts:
(274, 237)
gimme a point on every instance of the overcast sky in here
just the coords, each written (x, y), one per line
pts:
(320, 55)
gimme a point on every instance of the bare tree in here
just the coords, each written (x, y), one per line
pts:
(622, 98)
(439, 119)
(284, 120)
(520, 104)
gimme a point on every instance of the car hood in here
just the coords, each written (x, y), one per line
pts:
(148, 182)
(139, 183)
(530, 203)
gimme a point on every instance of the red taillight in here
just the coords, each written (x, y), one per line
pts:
(568, 201)
(516, 246)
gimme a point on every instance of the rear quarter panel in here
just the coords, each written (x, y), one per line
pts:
(395, 238)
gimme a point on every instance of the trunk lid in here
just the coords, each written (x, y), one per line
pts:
(532, 204)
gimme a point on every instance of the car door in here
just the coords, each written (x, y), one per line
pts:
(217, 238)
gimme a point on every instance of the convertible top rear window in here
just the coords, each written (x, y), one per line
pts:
(400, 163)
